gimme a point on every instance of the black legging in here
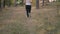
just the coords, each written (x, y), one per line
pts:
(28, 10)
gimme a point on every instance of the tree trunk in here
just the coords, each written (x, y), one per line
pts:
(43, 3)
(9, 3)
(37, 4)
(2, 2)
(0, 5)
(15, 3)
(22, 2)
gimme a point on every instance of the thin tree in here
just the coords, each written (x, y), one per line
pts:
(15, 4)
(2, 2)
(0, 5)
(22, 2)
(37, 4)
(43, 3)
(9, 3)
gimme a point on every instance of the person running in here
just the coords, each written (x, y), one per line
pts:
(28, 7)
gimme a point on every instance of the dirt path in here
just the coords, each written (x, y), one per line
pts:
(14, 20)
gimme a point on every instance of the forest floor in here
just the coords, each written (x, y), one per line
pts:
(13, 20)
